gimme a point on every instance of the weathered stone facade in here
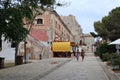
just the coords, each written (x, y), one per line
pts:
(47, 28)
(73, 26)
(76, 30)
(51, 27)
(88, 40)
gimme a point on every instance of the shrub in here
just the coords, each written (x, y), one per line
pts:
(106, 57)
(105, 48)
(115, 60)
(96, 53)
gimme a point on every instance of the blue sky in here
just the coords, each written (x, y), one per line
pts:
(87, 11)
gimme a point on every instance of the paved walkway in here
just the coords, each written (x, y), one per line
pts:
(89, 69)
(32, 70)
(60, 69)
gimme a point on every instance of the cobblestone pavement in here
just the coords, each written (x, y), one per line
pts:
(32, 70)
(89, 69)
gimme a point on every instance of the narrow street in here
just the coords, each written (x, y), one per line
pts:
(89, 69)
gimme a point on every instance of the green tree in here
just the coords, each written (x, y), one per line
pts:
(112, 23)
(101, 30)
(109, 26)
(12, 13)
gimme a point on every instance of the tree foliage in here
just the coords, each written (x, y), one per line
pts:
(12, 25)
(112, 23)
(109, 26)
(12, 13)
(101, 30)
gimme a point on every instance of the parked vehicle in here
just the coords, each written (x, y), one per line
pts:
(61, 49)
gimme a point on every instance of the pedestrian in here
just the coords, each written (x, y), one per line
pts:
(77, 54)
(82, 54)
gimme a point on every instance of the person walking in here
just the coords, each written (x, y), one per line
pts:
(77, 54)
(82, 54)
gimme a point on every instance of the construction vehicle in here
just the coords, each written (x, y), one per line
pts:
(62, 49)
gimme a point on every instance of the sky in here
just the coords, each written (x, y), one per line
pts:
(87, 11)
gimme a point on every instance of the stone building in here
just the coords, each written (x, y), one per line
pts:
(47, 28)
(73, 26)
(50, 27)
(86, 39)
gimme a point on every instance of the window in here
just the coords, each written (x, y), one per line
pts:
(39, 21)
